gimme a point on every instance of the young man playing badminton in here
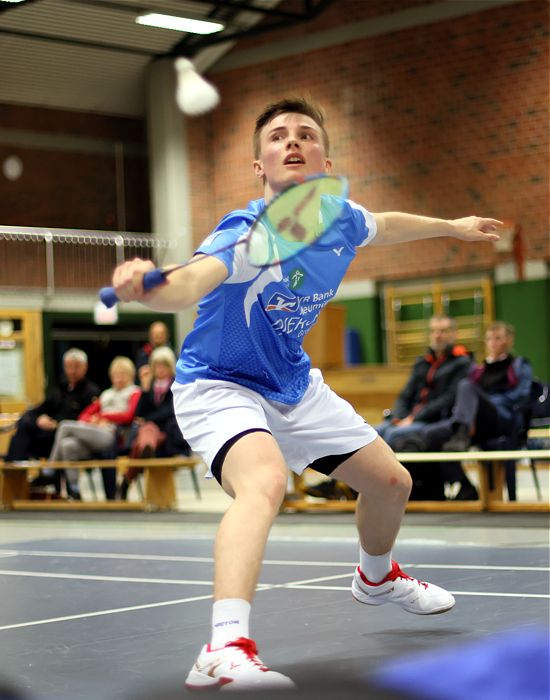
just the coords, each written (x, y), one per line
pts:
(251, 407)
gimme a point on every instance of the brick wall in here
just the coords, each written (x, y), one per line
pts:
(446, 119)
(69, 170)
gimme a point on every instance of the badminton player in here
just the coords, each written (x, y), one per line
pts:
(250, 405)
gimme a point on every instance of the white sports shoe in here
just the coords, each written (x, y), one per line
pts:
(410, 594)
(234, 666)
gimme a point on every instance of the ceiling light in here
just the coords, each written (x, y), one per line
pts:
(179, 24)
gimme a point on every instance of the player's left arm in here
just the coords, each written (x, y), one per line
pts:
(395, 227)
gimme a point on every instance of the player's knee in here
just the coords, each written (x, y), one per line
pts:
(272, 486)
(408, 482)
(400, 483)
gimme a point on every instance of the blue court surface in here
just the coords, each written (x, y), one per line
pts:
(85, 616)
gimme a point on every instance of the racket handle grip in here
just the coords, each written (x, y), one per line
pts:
(108, 296)
(150, 281)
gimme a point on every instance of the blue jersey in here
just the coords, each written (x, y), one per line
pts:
(250, 329)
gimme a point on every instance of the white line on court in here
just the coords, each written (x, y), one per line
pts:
(274, 562)
(105, 612)
(305, 584)
(92, 577)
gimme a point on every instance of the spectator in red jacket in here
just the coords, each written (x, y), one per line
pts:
(95, 431)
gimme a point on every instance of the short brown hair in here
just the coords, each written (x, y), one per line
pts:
(290, 105)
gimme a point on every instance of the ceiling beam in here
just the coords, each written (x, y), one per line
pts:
(245, 6)
(76, 42)
(191, 44)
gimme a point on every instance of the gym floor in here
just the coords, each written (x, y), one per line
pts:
(115, 605)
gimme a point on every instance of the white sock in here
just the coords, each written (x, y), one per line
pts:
(229, 621)
(375, 568)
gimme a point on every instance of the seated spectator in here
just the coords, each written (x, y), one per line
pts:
(95, 431)
(488, 404)
(157, 431)
(36, 429)
(158, 337)
(430, 391)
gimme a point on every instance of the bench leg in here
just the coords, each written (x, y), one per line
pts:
(483, 477)
(195, 483)
(533, 467)
(510, 470)
(160, 490)
(497, 472)
(13, 486)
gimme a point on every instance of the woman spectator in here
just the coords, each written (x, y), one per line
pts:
(99, 426)
(157, 429)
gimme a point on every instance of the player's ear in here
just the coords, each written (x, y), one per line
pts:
(328, 165)
(258, 168)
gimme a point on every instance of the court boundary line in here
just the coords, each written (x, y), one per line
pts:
(302, 584)
(6, 553)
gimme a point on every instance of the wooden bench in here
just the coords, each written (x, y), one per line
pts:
(490, 498)
(159, 488)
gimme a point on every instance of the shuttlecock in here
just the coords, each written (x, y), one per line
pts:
(194, 94)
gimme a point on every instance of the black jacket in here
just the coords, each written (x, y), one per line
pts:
(149, 410)
(431, 389)
(163, 415)
(63, 403)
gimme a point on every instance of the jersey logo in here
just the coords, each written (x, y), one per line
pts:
(280, 302)
(338, 251)
(296, 278)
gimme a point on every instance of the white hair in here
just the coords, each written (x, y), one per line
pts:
(76, 354)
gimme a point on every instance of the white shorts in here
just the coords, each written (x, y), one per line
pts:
(211, 412)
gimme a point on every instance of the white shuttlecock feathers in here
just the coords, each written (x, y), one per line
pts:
(194, 94)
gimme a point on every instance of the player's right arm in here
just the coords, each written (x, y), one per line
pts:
(183, 288)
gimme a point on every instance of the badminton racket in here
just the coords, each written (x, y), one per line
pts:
(295, 219)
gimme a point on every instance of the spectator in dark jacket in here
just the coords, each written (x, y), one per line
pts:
(157, 431)
(430, 391)
(489, 404)
(36, 428)
(495, 392)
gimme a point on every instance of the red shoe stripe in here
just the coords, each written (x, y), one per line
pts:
(391, 576)
(395, 573)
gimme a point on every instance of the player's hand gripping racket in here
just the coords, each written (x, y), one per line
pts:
(295, 219)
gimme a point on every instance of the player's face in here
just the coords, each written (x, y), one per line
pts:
(291, 147)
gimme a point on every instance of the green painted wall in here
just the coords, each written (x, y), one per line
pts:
(526, 306)
(363, 315)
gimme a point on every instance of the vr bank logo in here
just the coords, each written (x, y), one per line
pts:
(279, 302)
